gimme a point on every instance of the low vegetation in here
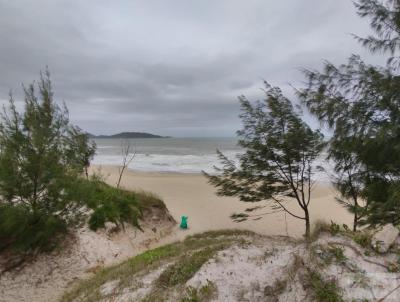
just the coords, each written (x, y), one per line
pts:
(184, 258)
(323, 290)
(185, 267)
(203, 268)
(203, 294)
(109, 204)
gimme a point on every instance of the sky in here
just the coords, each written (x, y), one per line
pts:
(170, 67)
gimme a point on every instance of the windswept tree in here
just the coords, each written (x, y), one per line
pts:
(277, 165)
(360, 103)
(41, 158)
(81, 148)
(385, 22)
(348, 179)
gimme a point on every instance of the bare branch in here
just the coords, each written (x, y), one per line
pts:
(127, 158)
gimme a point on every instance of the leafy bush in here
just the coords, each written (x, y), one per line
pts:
(110, 204)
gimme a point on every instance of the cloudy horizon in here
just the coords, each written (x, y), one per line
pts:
(171, 68)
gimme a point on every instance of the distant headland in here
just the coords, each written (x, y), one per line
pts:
(127, 135)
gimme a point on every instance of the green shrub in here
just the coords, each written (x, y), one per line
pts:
(24, 231)
(109, 204)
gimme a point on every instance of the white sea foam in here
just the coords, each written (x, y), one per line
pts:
(168, 163)
(188, 163)
(182, 155)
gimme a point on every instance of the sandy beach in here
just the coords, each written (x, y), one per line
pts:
(191, 195)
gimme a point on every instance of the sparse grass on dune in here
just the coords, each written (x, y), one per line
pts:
(149, 200)
(186, 267)
(203, 294)
(178, 273)
(239, 266)
(219, 233)
(189, 255)
(323, 290)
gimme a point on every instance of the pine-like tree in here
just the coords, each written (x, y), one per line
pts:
(361, 104)
(41, 157)
(277, 165)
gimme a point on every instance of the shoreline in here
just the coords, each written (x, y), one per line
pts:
(95, 167)
(190, 194)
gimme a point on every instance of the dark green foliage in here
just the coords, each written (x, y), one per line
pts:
(109, 204)
(24, 231)
(361, 104)
(80, 148)
(279, 152)
(385, 22)
(37, 171)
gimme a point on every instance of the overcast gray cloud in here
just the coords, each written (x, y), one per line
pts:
(169, 67)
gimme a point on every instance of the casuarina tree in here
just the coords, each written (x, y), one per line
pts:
(41, 157)
(277, 164)
(360, 103)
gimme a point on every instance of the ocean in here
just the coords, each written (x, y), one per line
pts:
(182, 155)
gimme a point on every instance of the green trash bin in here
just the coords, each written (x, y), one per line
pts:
(184, 224)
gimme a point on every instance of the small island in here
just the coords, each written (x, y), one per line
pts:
(127, 135)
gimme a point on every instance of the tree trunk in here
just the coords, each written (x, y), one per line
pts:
(355, 221)
(120, 175)
(308, 225)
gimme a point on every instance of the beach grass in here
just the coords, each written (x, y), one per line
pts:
(186, 257)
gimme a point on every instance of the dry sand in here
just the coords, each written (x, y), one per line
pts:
(191, 195)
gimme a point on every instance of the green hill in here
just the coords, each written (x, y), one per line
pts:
(127, 135)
